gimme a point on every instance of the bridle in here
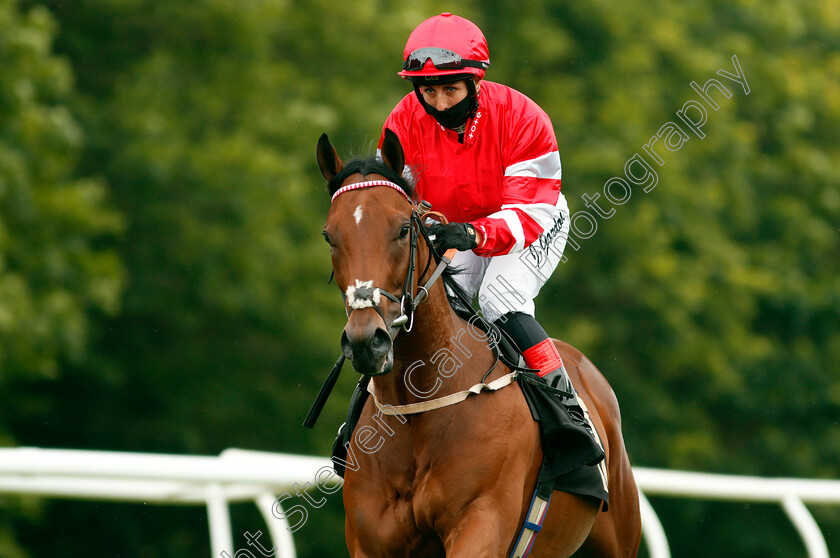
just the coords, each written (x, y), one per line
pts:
(365, 295)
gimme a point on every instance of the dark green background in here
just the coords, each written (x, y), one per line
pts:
(163, 281)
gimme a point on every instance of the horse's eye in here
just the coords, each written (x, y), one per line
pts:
(326, 237)
(406, 228)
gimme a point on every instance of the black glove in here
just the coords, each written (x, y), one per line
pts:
(453, 235)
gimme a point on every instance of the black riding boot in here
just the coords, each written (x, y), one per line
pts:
(540, 353)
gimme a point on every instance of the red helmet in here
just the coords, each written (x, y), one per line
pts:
(445, 45)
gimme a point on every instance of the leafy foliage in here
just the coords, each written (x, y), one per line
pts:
(53, 272)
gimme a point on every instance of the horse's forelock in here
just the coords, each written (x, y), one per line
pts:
(369, 166)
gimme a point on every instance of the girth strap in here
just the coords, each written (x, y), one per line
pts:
(532, 525)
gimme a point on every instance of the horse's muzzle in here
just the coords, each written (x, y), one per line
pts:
(367, 345)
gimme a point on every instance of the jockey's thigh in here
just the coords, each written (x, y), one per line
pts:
(471, 270)
(511, 282)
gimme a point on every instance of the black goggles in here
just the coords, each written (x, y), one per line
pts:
(442, 59)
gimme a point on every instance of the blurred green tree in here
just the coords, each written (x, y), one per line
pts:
(54, 271)
(57, 273)
(177, 301)
(712, 302)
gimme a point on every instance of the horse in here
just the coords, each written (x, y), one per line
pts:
(454, 481)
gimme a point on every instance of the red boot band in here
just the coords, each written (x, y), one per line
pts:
(543, 357)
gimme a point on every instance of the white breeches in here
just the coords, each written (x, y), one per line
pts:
(511, 282)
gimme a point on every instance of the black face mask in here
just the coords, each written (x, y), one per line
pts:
(457, 114)
(452, 117)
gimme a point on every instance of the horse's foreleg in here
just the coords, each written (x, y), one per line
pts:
(479, 534)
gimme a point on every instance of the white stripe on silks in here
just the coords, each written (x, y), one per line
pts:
(514, 224)
(544, 166)
(542, 213)
(407, 174)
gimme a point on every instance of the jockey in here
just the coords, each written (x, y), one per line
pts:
(486, 157)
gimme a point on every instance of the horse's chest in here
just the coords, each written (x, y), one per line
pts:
(394, 519)
(414, 490)
(404, 498)
(427, 487)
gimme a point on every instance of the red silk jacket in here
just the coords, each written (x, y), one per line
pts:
(504, 178)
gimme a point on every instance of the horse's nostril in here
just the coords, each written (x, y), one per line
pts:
(346, 346)
(380, 342)
(367, 347)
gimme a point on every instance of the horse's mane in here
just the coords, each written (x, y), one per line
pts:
(374, 165)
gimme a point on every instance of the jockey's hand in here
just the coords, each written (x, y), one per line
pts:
(454, 235)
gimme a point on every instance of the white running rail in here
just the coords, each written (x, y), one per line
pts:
(791, 494)
(239, 475)
(234, 476)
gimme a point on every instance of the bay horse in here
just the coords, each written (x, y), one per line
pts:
(455, 481)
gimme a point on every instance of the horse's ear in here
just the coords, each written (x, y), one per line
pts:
(328, 160)
(392, 152)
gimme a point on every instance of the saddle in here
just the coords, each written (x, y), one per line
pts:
(572, 460)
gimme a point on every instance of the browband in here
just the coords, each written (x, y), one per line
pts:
(368, 184)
